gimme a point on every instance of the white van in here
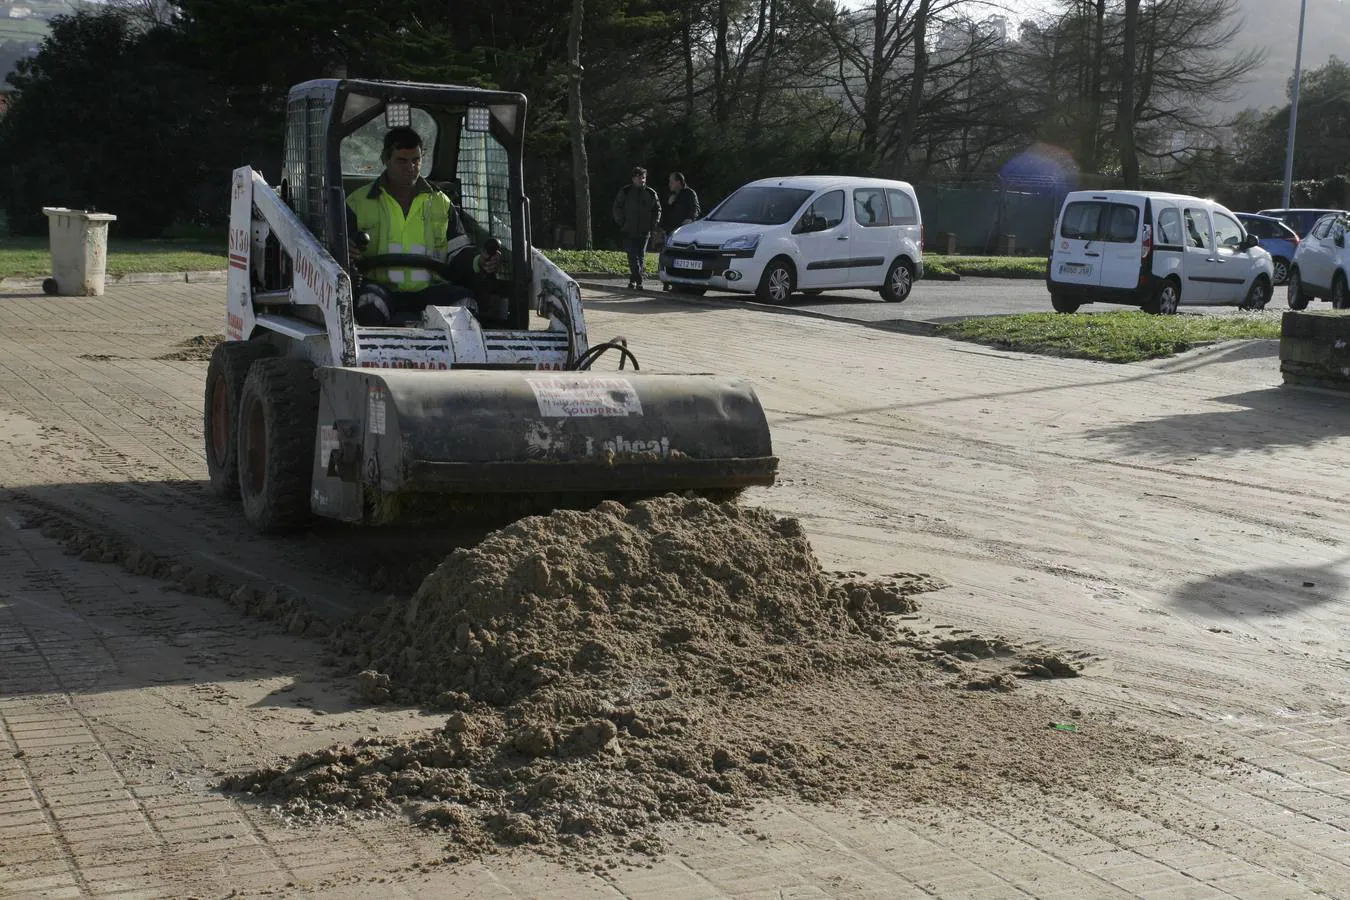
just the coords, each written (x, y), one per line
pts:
(809, 233)
(1155, 251)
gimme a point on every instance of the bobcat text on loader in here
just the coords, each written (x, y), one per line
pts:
(308, 412)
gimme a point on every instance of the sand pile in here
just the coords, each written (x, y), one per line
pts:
(616, 670)
(692, 595)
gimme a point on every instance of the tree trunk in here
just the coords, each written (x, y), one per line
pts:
(871, 118)
(767, 60)
(721, 65)
(916, 85)
(581, 175)
(687, 37)
(1129, 157)
(1092, 128)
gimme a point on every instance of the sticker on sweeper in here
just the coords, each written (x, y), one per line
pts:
(563, 395)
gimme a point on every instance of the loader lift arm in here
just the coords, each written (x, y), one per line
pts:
(308, 413)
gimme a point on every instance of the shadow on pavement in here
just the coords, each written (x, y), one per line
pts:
(108, 587)
(1265, 420)
(1273, 591)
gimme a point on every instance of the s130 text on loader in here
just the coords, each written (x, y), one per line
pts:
(308, 412)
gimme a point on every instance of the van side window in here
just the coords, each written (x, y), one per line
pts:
(869, 207)
(903, 211)
(1197, 229)
(1169, 228)
(828, 209)
(1227, 233)
(1322, 228)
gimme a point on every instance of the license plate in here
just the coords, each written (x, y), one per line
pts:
(1075, 268)
(695, 264)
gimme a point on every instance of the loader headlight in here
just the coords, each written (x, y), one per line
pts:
(397, 115)
(476, 119)
(744, 242)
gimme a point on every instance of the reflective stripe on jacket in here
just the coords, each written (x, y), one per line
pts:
(423, 231)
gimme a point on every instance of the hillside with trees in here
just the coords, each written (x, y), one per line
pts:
(980, 112)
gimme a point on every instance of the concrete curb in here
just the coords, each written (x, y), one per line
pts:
(206, 276)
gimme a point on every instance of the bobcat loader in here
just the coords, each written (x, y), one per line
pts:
(308, 412)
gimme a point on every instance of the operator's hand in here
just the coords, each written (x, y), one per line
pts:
(490, 264)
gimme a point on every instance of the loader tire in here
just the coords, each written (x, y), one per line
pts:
(230, 362)
(278, 415)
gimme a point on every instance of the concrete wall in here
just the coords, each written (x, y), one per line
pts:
(1315, 348)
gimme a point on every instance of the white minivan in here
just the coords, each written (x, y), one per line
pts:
(1155, 251)
(809, 233)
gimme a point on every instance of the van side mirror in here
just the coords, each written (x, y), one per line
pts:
(1249, 241)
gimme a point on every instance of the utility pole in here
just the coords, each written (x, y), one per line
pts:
(1293, 107)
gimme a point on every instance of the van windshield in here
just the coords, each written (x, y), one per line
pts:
(760, 205)
(1097, 220)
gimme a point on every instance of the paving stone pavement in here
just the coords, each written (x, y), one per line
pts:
(120, 699)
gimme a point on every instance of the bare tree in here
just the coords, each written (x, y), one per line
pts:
(148, 13)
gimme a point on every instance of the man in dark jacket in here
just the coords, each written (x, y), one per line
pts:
(637, 210)
(681, 206)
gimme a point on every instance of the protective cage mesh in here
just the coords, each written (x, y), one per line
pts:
(306, 128)
(485, 184)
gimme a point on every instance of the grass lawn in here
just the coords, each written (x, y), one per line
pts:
(987, 266)
(29, 257)
(24, 257)
(615, 262)
(1113, 337)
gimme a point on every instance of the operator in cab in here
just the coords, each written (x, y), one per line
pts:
(403, 214)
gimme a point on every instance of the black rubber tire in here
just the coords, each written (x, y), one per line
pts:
(230, 362)
(899, 282)
(1258, 295)
(1340, 292)
(1063, 304)
(279, 409)
(1166, 300)
(1281, 265)
(49, 286)
(770, 284)
(1297, 298)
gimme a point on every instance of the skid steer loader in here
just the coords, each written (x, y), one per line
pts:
(308, 412)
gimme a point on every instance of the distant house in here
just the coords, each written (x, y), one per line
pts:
(4, 100)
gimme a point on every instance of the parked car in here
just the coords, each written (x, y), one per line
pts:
(810, 233)
(1155, 251)
(1276, 238)
(1321, 264)
(1301, 220)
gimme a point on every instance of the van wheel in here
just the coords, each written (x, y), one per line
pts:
(899, 282)
(1297, 298)
(1340, 293)
(1165, 300)
(1281, 273)
(777, 283)
(1063, 304)
(1258, 295)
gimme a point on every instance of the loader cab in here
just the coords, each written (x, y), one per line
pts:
(473, 149)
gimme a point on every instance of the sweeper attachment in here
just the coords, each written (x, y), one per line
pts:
(336, 396)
